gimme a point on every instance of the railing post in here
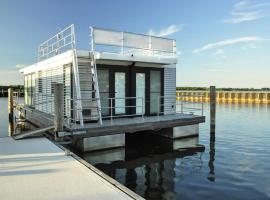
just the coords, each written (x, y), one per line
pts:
(58, 108)
(142, 108)
(122, 44)
(158, 106)
(111, 110)
(212, 109)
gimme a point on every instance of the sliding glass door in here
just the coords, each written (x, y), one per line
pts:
(103, 82)
(140, 93)
(155, 91)
(120, 93)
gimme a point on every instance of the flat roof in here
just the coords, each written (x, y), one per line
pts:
(67, 57)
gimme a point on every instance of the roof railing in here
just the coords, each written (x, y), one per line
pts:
(120, 42)
(63, 41)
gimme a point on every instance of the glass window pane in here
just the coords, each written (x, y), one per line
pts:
(155, 90)
(120, 93)
(103, 82)
(140, 93)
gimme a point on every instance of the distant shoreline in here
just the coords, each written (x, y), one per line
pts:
(224, 89)
(20, 88)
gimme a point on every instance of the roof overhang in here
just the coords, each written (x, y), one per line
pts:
(133, 57)
(58, 60)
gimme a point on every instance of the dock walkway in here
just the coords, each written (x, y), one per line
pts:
(38, 169)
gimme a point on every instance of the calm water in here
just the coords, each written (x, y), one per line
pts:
(235, 164)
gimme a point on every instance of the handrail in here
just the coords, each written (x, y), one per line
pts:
(179, 106)
(111, 108)
(60, 42)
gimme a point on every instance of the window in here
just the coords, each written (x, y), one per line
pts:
(155, 90)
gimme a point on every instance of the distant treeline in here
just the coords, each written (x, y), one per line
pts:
(222, 89)
(16, 88)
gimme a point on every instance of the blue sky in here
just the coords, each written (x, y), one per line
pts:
(224, 43)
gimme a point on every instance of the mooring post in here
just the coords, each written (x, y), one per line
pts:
(212, 109)
(58, 108)
(10, 104)
(10, 111)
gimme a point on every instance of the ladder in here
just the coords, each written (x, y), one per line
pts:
(95, 86)
(78, 88)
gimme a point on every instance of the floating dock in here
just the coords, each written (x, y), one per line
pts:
(38, 169)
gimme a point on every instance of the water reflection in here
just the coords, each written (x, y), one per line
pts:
(211, 176)
(149, 163)
(11, 127)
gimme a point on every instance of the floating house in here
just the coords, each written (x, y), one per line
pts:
(125, 82)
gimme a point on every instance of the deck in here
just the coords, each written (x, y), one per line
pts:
(117, 125)
(135, 124)
(38, 169)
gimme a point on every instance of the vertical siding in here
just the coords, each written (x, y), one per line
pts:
(169, 89)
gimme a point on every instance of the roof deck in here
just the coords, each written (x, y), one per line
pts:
(105, 44)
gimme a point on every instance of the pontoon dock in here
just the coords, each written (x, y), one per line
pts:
(38, 169)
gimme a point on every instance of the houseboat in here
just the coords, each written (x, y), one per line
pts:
(124, 83)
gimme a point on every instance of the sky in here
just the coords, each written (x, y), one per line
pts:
(225, 43)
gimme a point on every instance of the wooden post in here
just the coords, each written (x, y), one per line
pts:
(10, 111)
(212, 109)
(10, 104)
(58, 108)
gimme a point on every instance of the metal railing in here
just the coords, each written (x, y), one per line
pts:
(111, 113)
(169, 105)
(59, 43)
(113, 41)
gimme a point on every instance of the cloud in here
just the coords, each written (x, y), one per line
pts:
(247, 10)
(239, 17)
(19, 66)
(166, 31)
(229, 42)
(247, 4)
(249, 46)
(219, 52)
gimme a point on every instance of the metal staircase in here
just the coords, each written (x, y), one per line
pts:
(95, 86)
(90, 99)
(87, 90)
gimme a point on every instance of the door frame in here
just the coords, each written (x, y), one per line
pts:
(131, 71)
(112, 69)
(146, 70)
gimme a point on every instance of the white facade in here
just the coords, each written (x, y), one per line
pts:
(77, 71)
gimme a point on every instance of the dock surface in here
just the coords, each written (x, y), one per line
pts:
(38, 169)
(135, 124)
